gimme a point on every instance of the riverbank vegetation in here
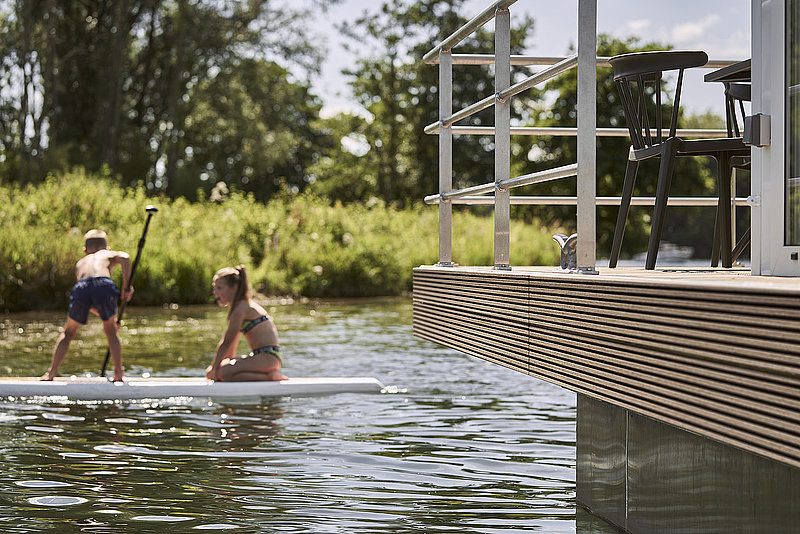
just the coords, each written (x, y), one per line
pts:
(209, 110)
(295, 244)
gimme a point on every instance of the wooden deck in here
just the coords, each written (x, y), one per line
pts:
(712, 351)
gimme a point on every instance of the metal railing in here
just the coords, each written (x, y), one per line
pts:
(586, 63)
(586, 132)
(503, 185)
(505, 94)
(433, 129)
(529, 61)
(554, 200)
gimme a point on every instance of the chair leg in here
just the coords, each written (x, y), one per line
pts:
(715, 242)
(724, 208)
(741, 245)
(624, 209)
(665, 169)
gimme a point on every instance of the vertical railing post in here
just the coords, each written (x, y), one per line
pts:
(502, 138)
(587, 140)
(445, 158)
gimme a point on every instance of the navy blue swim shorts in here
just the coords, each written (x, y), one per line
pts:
(99, 292)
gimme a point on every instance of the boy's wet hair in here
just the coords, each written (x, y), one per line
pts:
(95, 240)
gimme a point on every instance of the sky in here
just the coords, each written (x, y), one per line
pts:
(719, 27)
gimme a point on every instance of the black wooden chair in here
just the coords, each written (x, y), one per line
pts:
(736, 94)
(638, 77)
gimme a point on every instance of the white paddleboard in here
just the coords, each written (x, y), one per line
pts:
(97, 388)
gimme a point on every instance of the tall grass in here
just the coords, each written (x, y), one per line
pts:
(298, 245)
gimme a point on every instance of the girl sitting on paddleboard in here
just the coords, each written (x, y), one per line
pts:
(231, 288)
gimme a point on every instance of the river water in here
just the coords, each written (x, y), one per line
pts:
(455, 444)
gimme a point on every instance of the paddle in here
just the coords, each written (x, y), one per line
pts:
(151, 210)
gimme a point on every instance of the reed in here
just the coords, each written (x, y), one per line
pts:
(293, 245)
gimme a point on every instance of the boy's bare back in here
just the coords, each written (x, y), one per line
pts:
(98, 263)
(95, 292)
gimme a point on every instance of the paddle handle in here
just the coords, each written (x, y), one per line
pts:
(151, 210)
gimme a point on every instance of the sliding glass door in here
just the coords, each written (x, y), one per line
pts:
(792, 117)
(775, 195)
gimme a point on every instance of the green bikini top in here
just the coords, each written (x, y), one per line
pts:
(249, 324)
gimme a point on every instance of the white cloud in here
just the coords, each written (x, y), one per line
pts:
(636, 27)
(689, 32)
(735, 45)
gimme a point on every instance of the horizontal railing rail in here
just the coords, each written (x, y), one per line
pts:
(553, 200)
(518, 181)
(468, 111)
(557, 66)
(467, 29)
(515, 89)
(540, 77)
(571, 131)
(522, 61)
(565, 171)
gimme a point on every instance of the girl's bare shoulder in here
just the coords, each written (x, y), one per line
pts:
(251, 309)
(240, 310)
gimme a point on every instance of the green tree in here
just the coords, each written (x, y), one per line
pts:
(400, 94)
(114, 83)
(187, 49)
(343, 172)
(249, 127)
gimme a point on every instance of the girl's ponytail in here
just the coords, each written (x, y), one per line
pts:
(236, 277)
(243, 292)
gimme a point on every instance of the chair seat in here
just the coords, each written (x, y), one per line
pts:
(734, 145)
(655, 62)
(695, 147)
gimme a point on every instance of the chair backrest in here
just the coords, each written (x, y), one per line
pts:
(638, 79)
(736, 93)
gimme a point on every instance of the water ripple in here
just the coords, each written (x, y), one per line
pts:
(458, 445)
(41, 483)
(57, 500)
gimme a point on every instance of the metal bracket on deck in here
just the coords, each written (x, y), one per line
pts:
(569, 251)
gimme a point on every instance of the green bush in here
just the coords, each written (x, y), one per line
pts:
(298, 245)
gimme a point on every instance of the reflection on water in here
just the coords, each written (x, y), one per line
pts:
(462, 446)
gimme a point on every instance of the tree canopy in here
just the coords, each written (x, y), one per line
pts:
(173, 93)
(195, 98)
(397, 161)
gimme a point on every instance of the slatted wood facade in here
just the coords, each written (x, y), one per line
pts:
(718, 356)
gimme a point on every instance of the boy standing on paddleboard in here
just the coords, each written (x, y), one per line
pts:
(95, 292)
